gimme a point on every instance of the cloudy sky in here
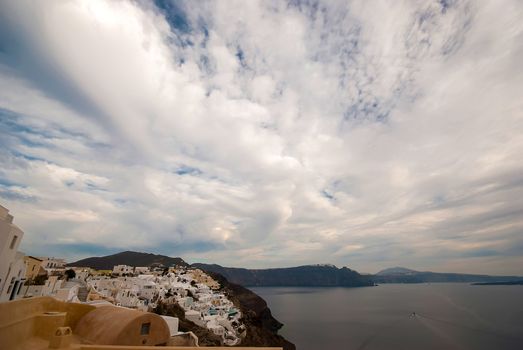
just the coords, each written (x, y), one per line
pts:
(367, 134)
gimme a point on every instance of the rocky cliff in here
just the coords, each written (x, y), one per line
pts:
(301, 276)
(262, 327)
(404, 275)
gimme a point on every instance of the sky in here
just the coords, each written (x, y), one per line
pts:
(257, 134)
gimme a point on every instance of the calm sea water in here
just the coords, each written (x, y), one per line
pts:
(448, 316)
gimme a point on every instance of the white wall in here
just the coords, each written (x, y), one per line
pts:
(51, 285)
(10, 238)
(33, 291)
(172, 322)
(68, 293)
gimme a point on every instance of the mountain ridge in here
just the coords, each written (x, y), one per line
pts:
(316, 275)
(324, 275)
(128, 258)
(397, 270)
(405, 275)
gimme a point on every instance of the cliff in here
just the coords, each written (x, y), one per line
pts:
(404, 275)
(301, 276)
(262, 327)
(205, 336)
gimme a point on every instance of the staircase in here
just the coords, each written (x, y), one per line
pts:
(83, 291)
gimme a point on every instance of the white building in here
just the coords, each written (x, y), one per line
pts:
(121, 270)
(31, 291)
(216, 329)
(203, 305)
(195, 317)
(148, 290)
(12, 265)
(68, 291)
(51, 264)
(141, 270)
(127, 298)
(81, 273)
(52, 285)
(172, 322)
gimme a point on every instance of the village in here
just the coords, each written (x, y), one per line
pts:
(140, 288)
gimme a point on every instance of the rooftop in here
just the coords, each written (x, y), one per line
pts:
(44, 322)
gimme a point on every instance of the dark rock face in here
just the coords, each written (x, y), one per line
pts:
(128, 258)
(301, 276)
(262, 327)
(205, 336)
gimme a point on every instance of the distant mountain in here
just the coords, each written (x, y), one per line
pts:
(396, 271)
(404, 275)
(128, 258)
(303, 276)
(300, 276)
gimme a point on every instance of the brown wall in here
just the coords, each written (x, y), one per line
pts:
(21, 320)
(110, 325)
(29, 324)
(32, 267)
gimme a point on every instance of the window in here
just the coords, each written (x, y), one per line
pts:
(11, 285)
(13, 242)
(146, 327)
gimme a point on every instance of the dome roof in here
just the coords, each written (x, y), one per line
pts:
(111, 325)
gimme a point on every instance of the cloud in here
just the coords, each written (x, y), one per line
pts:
(262, 134)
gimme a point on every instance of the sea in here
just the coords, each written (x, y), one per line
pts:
(399, 316)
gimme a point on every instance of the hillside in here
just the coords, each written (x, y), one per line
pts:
(331, 276)
(404, 275)
(396, 271)
(309, 275)
(262, 327)
(128, 258)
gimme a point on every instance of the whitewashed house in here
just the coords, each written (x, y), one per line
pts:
(121, 270)
(127, 298)
(141, 270)
(172, 322)
(149, 291)
(68, 292)
(52, 264)
(12, 265)
(195, 317)
(51, 286)
(82, 273)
